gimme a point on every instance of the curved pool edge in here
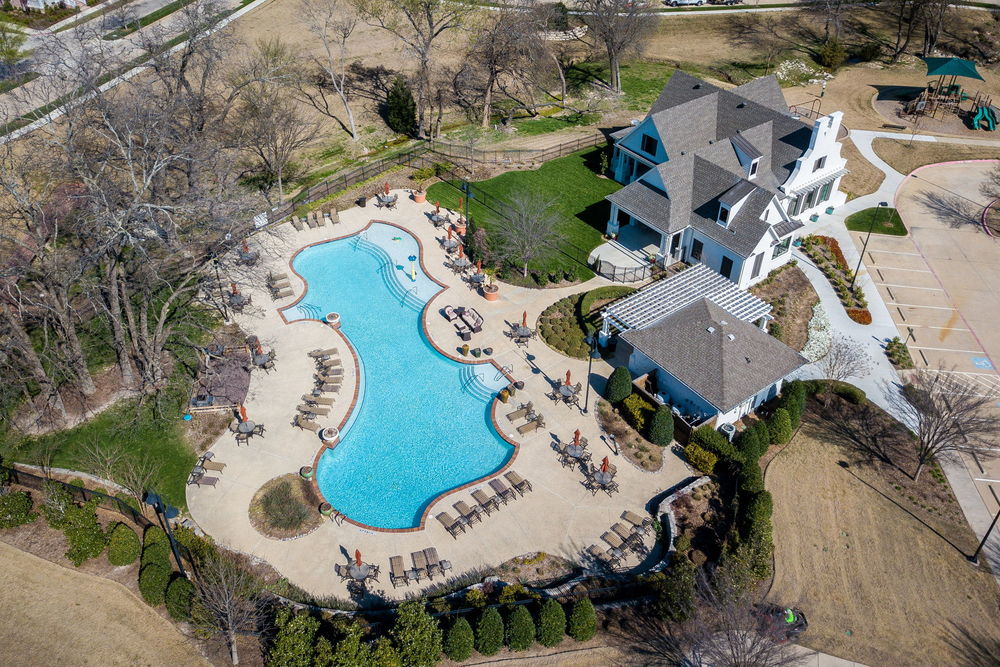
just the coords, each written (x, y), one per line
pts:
(357, 386)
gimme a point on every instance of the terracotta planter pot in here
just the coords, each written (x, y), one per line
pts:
(419, 196)
(491, 292)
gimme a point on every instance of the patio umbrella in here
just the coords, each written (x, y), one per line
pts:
(524, 319)
(357, 557)
(246, 247)
(479, 266)
(243, 413)
(437, 207)
(260, 348)
(576, 437)
(386, 188)
(567, 378)
(449, 233)
(461, 251)
(233, 287)
(604, 464)
(461, 201)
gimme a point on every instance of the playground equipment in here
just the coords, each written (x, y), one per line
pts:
(944, 93)
(982, 112)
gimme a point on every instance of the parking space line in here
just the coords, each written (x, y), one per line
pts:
(987, 479)
(932, 289)
(927, 326)
(900, 268)
(942, 349)
(914, 305)
(895, 252)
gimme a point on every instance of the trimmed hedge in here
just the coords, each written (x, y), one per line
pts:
(700, 458)
(675, 590)
(793, 399)
(619, 385)
(709, 439)
(153, 580)
(750, 479)
(459, 641)
(780, 427)
(15, 509)
(156, 553)
(551, 624)
(661, 428)
(520, 629)
(850, 393)
(750, 445)
(594, 295)
(489, 632)
(180, 592)
(154, 534)
(582, 620)
(123, 545)
(637, 411)
(86, 537)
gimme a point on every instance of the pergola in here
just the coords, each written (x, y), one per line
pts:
(662, 298)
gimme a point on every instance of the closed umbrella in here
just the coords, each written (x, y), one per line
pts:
(479, 266)
(246, 247)
(233, 287)
(576, 437)
(461, 251)
(449, 233)
(243, 413)
(567, 378)
(437, 207)
(357, 557)
(524, 319)
(604, 464)
(386, 188)
(260, 348)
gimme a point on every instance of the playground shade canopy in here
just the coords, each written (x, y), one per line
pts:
(952, 67)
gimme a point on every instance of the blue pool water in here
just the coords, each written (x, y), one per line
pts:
(422, 422)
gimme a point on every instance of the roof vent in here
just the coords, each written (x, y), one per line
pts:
(710, 330)
(741, 105)
(730, 336)
(723, 322)
(683, 152)
(748, 359)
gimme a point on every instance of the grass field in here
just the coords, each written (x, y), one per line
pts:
(904, 157)
(56, 616)
(878, 584)
(880, 222)
(576, 192)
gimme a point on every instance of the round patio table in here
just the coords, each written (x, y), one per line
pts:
(246, 427)
(438, 219)
(359, 573)
(522, 331)
(237, 299)
(603, 478)
(576, 451)
(448, 244)
(261, 359)
(462, 261)
(198, 471)
(252, 341)
(566, 390)
(478, 277)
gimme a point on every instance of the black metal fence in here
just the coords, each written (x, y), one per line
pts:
(622, 274)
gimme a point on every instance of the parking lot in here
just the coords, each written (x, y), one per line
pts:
(941, 284)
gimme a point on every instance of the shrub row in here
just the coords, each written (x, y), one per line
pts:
(15, 509)
(656, 423)
(154, 575)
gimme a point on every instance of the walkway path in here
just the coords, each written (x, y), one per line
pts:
(883, 377)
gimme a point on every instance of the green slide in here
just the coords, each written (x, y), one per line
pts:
(986, 114)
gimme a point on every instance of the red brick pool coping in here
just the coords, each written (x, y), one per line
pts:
(357, 384)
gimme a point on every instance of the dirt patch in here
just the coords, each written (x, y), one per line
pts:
(71, 617)
(535, 567)
(904, 157)
(702, 523)
(793, 298)
(877, 575)
(863, 178)
(281, 522)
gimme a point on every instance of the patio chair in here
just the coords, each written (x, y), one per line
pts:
(203, 480)
(434, 564)
(374, 571)
(553, 396)
(242, 437)
(520, 484)
(486, 503)
(315, 218)
(341, 571)
(258, 429)
(327, 387)
(464, 332)
(317, 353)
(420, 563)
(449, 313)
(450, 524)
(282, 294)
(503, 492)
(397, 573)
(308, 424)
(332, 370)
(628, 536)
(565, 459)
(310, 221)
(611, 488)
(470, 514)
(520, 412)
(531, 426)
(601, 556)
(213, 465)
(296, 223)
(640, 524)
(573, 400)
(613, 540)
(521, 341)
(321, 220)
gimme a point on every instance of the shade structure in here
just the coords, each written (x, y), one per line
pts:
(576, 437)
(243, 413)
(604, 464)
(357, 557)
(567, 377)
(952, 67)
(524, 319)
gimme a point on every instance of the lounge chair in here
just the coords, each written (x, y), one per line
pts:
(310, 221)
(296, 223)
(308, 424)
(317, 353)
(520, 484)
(332, 216)
(531, 426)
(321, 220)
(282, 294)
(327, 387)
(434, 564)
(504, 493)
(420, 564)
(449, 313)
(486, 503)
(520, 412)
(332, 370)
(318, 400)
(280, 283)
(641, 524)
(450, 524)
(213, 465)
(397, 573)
(332, 362)
(602, 556)
(202, 480)
(613, 540)
(312, 410)
(277, 276)
(470, 514)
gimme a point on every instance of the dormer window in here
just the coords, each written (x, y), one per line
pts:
(753, 169)
(649, 144)
(723, 218)
(819, 164)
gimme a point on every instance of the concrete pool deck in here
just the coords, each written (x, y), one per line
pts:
(559, 517)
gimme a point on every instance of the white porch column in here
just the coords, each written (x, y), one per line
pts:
(605, 334)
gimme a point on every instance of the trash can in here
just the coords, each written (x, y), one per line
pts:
(361, 201)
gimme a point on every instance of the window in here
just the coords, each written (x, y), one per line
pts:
(726, 268)
(781, 248)
(824, 193)
(810, 199)
(696, 247)
(795, 206)
(641, 168)
(767, 212)
(649, 144)
(723, 218)
(819, 164)
(758, 261)
(753, 168)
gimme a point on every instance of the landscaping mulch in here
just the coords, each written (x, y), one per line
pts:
(636, 449)
(534, 567)
(303, 492)
(793, 298)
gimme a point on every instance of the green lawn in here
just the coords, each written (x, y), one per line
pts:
(578, 193)
(533, 126)
(885, 222)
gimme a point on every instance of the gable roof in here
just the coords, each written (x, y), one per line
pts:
(717, 355)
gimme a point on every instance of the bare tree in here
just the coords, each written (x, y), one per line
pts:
(991, 186)
(528, 232)
(766, 33)
(230, 600)
(843, 359)
(946, 415)
(621, 26)
(333, 22)
(418, 24)
(905, 16)
(832, 13)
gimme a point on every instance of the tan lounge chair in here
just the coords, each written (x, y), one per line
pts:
(613, 540)
(318, 400)
(601, 556)
(531, 426)
(641, 523)
(520, 412)
(420, 564)
(315, 354)
(331, 363)
(304, 423)
(313, 410)
(321, 220)
(397, 573)
(434, 564)
(331, 388)
(281, 283)
(310, 221)
(206, 481)
(486, 503)
(213, 465)
(502, 490)
(520, 484)
(282, 294)
(296, 223)
(450, 524)
(470, 514)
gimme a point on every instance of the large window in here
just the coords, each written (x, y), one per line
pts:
(726, 268)
(649, 144)
(781, 248)
(696, 247)
(824, 193)
(758, 261)
(723, 215)
(819, 164)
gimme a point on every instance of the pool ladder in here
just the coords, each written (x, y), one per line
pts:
(474, 382)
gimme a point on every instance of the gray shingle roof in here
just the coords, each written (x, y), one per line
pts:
(735, 194)
(765, 91)
(787, 227)
(641, 200)
(748, 149)
(722, 358)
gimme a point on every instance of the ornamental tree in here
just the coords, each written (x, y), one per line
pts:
(417, 635)
(489, 632)
(619, 385)
(582, 620)
(520, 629)
(459, 641)
(551, 624)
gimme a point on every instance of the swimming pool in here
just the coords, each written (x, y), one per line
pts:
(422, 422)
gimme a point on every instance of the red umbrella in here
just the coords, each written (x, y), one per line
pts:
(461, 251)
(604, 464)
(479, 266)
(357, 557)
(449, 233)
(460, 201)
(246, 247)
(576, 437)
(260, 348)
(567, 378)
(233, 286)
(386, 188)
(437, 207)
(524, 321)
(243, 413)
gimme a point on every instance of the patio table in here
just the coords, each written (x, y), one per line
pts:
(522, 332)
(359, 573)
(237, 300)
(566, 390)
(603, 478)
(448, 244)
(261, 359)
(462, 262)
(438, 219)
(198, 471)
(576, 451)
(246, 427)
(386, 200)
(477, 278)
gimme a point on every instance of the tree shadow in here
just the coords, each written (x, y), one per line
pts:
(864, 430)
(952, 210)
(972, 650)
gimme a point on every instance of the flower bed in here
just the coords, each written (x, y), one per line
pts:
(898, 353)
(825, 252)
